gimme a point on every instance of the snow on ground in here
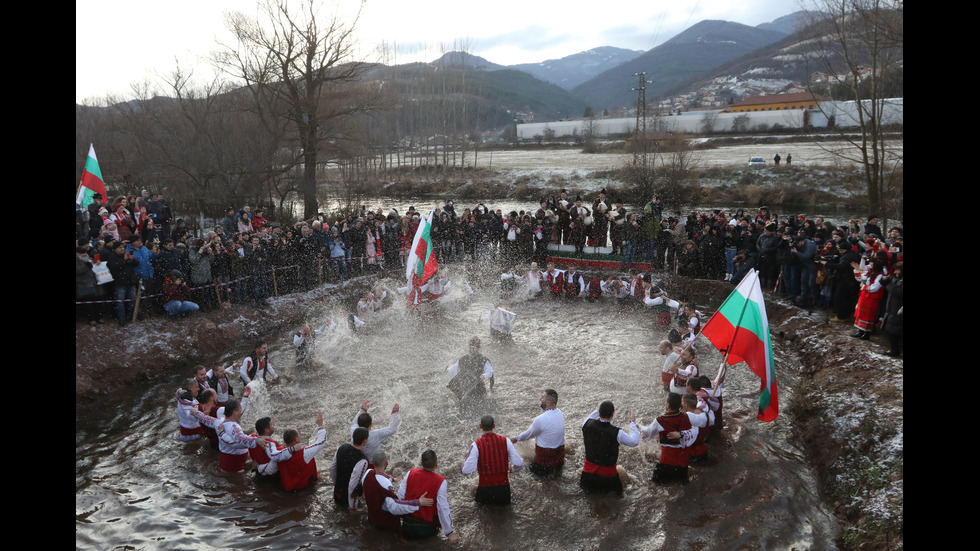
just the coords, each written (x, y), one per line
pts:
(568, 161)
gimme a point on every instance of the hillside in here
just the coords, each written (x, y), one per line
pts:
(570, 71)
(701, 47)
(444, 97)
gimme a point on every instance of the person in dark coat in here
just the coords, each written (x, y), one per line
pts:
(894, 320)
(845, 287)
(712, 247)
(767, 245)
(742, 263)
(87, 288)
(259, 265)
(122, 265)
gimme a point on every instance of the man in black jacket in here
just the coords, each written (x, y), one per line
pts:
(122, 266)
(845, 286)
(768, 264)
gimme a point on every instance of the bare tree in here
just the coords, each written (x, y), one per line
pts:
(740, 124)
(859, 45)
(708, 122)
(589, 129)
(299, 66)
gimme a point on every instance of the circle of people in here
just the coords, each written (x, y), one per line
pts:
(417, 505)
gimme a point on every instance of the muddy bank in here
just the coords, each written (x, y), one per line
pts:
(109, 357)
(847, 407)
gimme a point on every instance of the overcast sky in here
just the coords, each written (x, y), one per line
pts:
(121, 42)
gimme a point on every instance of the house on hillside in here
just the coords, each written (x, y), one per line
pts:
(778, 102)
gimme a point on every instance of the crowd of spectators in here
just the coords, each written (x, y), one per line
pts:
(246, 258)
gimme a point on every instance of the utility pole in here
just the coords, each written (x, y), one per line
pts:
(640, 139)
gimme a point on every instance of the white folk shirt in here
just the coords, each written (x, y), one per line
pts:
(309, 452)
(393, 506)
(185, 416)
(376, 437)
(671, 303)
(452, 370)
(548, 430)
(222, 385)
(247, 364)
(687, 436)
(671, 360)
(231, 438)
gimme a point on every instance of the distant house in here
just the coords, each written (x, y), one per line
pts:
(778, 102)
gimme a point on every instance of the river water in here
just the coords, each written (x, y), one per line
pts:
(138, 487)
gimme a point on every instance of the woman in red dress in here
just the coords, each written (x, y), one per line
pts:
(866, 312)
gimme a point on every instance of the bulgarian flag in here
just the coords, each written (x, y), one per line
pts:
(92, 182)
(421, 258)
(740, 329)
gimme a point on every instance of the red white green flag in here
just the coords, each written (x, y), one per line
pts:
(740, 327)
(421, 262)
(92, 182)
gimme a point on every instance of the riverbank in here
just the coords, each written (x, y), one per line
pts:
(847, 408)
(811, 185)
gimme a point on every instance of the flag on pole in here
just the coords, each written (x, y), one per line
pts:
(421, 262)
(92, 182)
(740, 329)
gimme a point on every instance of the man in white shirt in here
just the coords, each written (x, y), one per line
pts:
(548, 431)
(376, 437)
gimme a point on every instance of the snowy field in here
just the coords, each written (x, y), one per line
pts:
(565, 160)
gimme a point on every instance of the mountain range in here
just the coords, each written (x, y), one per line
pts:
(710, 64)
(606, 77)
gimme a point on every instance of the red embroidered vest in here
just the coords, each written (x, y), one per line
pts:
(421, 481)
(296, 473)
(492, 463)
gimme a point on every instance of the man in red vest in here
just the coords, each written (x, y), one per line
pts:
(676, 434)
(427, 520)
(489, 456)
(698, 450)
(299, 470)
(555, 279)
(266, 458)
(383, 506)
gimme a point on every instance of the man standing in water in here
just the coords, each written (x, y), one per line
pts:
(384, 508)
(548, 431)
(375, 437)
(256, 364)
(299, 471)
(427, 520)
(602, 441)
(469, 373)
(675, 433)
(349, 464)
(232, 440)
(489, 456)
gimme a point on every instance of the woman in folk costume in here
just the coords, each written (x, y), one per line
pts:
(124, 221)
(372, 244)
(140, 218)
(405, 236)
(866, 312)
